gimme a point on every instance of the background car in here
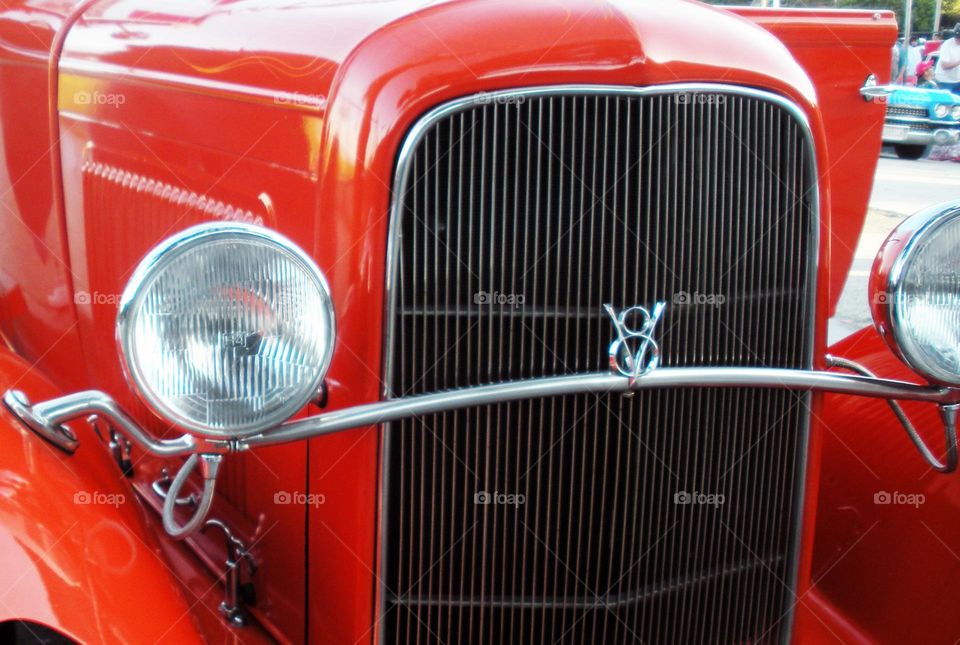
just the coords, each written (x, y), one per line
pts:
(918, 118)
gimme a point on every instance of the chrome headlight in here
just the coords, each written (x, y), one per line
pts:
(916, 293)
(941, 111)
(955, 112)
(226, 329)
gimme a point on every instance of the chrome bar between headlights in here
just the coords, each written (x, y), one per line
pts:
(46, 418)
(712, 377)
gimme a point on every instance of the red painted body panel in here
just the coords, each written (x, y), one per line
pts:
(817, 621)
(891, 569)
(839, 50)
(198, 112)
(36, 300)
(119, 202)
(80, 553)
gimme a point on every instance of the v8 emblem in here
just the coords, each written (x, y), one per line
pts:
(634, 353)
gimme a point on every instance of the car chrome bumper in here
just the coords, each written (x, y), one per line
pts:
(47, 418)
(897, 133)
(55, 412)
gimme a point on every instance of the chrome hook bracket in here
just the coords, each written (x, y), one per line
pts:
(948, 414)
(209, 468)
(239, 592)
(120, 448)
(161, 485)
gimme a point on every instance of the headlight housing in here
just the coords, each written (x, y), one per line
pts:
(955, 112)
(226, 329)
(941, 110)
(915, 286)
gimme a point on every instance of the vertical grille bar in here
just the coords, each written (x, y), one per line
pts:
(666, 515)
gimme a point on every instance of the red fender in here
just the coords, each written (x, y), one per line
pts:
(77, 553)
(885, 520)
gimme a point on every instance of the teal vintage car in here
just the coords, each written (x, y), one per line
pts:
(918, 118)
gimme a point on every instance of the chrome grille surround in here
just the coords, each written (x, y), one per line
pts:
(550, 604)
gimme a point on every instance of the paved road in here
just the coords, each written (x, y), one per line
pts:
(900, 189)
(905, 186)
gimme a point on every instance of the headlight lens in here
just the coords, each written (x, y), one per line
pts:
(955, 112)
(941, 110)
(226, 329)
(918, 311)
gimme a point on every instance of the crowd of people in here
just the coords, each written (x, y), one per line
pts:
(930, 63)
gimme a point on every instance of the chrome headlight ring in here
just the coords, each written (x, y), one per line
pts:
(915, 288)
(226, 329)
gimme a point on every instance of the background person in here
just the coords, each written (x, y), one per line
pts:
(914, 58)
(899, 61)
(925, 75)
(948, 68)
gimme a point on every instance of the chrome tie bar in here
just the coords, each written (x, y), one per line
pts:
(47, 418)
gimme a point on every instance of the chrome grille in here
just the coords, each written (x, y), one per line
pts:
(916, 111)
(517, 217)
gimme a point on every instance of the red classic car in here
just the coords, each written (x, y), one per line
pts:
(469, 321)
